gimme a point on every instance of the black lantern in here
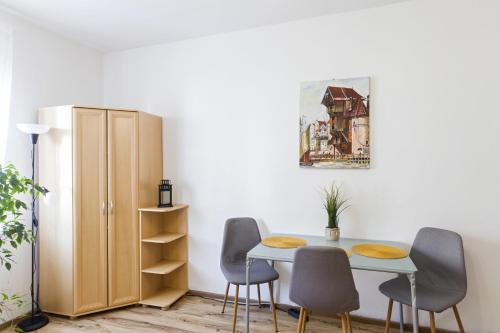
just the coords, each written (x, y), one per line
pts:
(165, 193)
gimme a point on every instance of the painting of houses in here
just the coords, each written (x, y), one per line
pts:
(334, 123)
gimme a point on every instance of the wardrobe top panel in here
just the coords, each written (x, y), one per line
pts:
(90, 107)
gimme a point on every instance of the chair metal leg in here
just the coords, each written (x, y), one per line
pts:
(225, 297)
(459, 321)
(389, 315)
(432, 321)
(344, 323)
(258, 295)
(401, 318)
(273, 307)
(301, 318)
(235, 315)
(349, 322)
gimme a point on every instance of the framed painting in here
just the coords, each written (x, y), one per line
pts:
(335, 124)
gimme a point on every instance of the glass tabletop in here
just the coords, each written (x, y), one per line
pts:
(403, 265)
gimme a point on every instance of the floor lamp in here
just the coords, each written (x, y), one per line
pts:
(37, 319)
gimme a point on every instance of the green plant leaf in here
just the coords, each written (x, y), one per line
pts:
(334, 204)
(14, 189)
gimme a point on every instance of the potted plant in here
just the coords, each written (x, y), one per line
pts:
(13, 232)
(334, 204)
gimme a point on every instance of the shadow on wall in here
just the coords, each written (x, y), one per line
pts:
(170, 164)
(478, 253)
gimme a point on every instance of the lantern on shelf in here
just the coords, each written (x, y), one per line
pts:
(165, 193)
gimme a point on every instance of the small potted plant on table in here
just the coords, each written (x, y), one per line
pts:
(334, 204)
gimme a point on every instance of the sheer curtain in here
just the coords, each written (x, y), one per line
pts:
(5, 85)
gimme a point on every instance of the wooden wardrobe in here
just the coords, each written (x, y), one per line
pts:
(100, 166)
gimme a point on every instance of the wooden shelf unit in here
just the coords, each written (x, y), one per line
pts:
(164, 255)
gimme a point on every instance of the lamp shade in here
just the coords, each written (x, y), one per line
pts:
(33, 128)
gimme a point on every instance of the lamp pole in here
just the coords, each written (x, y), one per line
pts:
(37, 319)
(34, 229)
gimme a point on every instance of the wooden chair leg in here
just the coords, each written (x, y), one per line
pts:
(273, 307)
(389, 315)
(459, 321)
(349, 323)
(304, 321)
(235, 315)
(225, 297)
(344, 323)
(432, 321)
(258, 295)
(299, 323)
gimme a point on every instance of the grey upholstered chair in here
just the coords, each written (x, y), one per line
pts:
(441, 280)
(322, 282)
(240, 236)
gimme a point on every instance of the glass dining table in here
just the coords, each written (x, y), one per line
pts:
(403, 266)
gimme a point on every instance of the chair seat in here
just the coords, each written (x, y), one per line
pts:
(260, 272)
(428, 298)
(319, 304)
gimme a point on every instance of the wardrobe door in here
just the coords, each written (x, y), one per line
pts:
(123, 234)
(90, 196)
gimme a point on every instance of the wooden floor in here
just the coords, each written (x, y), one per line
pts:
(190, 314)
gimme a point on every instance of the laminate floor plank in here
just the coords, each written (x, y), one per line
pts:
(191, 314)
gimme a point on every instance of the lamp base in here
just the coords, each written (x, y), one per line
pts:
(33, 323)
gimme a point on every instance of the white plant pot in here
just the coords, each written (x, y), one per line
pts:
(332, 234)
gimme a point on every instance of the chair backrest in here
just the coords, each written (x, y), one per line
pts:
(322, 281)
(439, 257)
(241, 234)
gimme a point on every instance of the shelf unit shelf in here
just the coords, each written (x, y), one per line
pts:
(164, 298)
(163, 209)
(164, 267)
(164, 256)
(163, 238)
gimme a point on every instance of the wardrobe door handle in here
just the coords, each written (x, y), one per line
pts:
(111, 205)
(103, 208)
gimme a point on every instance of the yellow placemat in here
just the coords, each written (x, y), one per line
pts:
(379, 251)
(284, 242)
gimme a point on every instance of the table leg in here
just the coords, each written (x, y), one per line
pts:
(272, 285)
(247, 305)
(414, 309)
(401, 318)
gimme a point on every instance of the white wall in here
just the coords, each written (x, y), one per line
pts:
(231, 129)
(231, 133)
(47, 70)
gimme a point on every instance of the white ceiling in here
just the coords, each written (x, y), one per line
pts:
(122, 24)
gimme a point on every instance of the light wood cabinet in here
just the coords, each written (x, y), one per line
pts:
(100, 166)
(123, 226)
(90, 197)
